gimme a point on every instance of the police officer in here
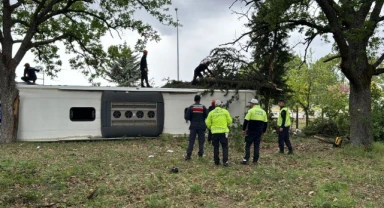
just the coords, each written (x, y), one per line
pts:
(218, 121)
(255, 124)
(196, 114)
(284, 122)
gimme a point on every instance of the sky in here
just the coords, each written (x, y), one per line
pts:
(205, 25)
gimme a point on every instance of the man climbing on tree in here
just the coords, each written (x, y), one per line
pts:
(29, 74)
(201, 68)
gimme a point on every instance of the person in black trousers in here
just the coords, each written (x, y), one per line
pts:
(211, 108)
(254, 126)
(196, 114)
(144, 69)
(284, 122)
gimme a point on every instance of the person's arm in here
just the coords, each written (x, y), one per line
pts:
(208, 121)
(25, 72)
(205, 112)
(265, 123)
(187, 115)
(283, 116)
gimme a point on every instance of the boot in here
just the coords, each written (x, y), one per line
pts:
(290, 152)
(188, 157)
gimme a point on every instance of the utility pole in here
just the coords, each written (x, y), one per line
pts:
(177, 28)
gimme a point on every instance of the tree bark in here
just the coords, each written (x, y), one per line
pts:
(10, 100)
(297, 116)
(360, 114)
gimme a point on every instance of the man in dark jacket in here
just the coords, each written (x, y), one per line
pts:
(198, 71)
(144, 69)
(29, 73)
(211, 108)
(196, 114)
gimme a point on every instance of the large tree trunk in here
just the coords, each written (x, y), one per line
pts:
(9, 96)
(360, 115)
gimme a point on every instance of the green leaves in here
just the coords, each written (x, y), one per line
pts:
(79, 25)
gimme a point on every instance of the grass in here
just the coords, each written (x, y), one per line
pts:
(120, 174)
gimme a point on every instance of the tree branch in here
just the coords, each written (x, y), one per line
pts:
(22, 22)
(336, 27)
(331, 58)
(375, 14)
(45, 42)
(379, 61)
(17, 4)
(378, 71)
(309, 24)
(364, 10)
(1, 36)
(239, 38)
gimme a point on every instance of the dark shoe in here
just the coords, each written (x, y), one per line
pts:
(200, 155)
(142, 86)
(244, 162)
(290, 152)
(188, 157)
(226, 164)
(217, 163)
(281, 152)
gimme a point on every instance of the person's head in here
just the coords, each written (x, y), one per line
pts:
(218, 103)
(145, 52)
(253, 102)
(213, 102)
(197, 98)
(281, 103)
(26, 65)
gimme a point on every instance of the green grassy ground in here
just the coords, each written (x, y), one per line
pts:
(120, 174)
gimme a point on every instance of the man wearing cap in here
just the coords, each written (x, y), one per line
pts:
(196, 114)
(144, 69)
(255, 124)
(284, 122)
(218, 121)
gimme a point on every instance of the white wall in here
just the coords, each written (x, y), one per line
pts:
(175, 103)
(44, 113)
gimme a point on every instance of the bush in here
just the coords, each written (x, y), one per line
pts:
(378, 122)
(328, 128)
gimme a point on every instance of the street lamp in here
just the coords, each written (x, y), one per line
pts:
(177, 28)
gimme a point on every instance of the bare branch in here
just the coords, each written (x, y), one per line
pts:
(379, 61)
(233, 4)
(378, 71)
(331, 58)
(239, 38)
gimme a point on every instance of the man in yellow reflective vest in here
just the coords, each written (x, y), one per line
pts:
(218, 121)
(255, 124)
(284, 122)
